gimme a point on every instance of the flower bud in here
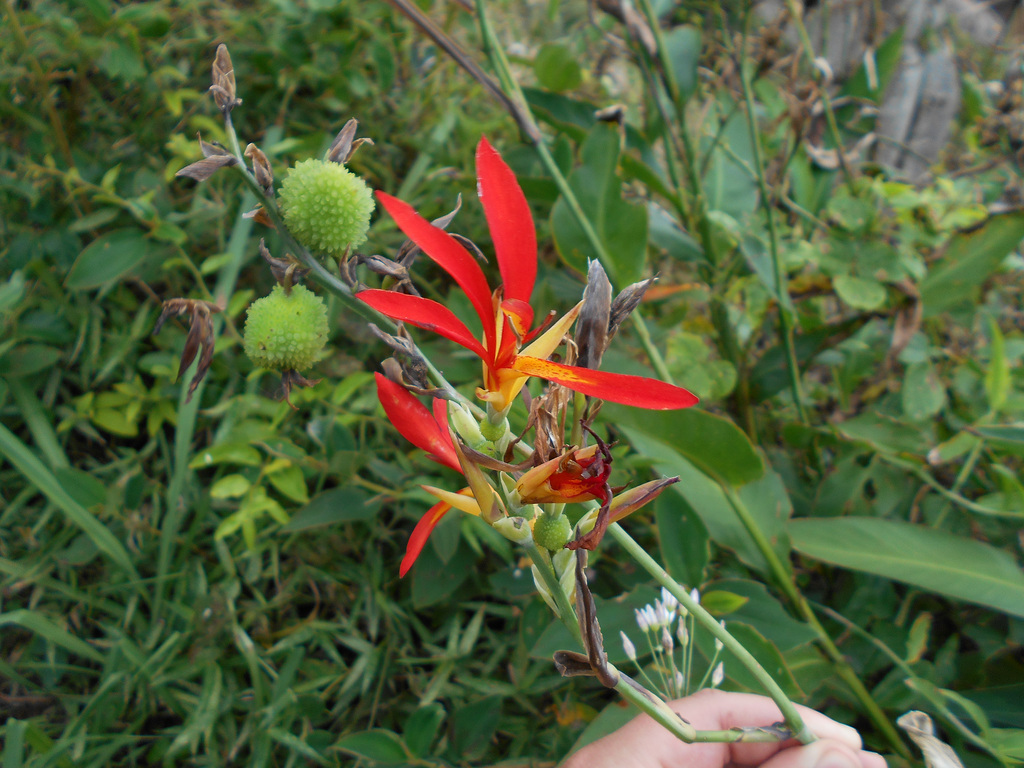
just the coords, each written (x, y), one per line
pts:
(718, 676)
(515, 529)
(628, 647)
(465, 425)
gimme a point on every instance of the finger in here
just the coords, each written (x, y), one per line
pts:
(824, 753)
(711, 710)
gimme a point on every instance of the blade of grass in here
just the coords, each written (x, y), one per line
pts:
(36, 473)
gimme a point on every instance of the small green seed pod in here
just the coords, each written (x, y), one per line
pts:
(286, 331)
(326, 206)
(550, 532)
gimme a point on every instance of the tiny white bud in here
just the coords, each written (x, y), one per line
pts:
(641, 619)
(695, 595)
(719, 645)
(669, 600)
(651, 616)
(683, 634)
(666, 640)
(628, 647)
(718, 676)
(680, 682)
(661, 613)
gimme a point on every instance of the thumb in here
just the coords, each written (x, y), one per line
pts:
(825, 753)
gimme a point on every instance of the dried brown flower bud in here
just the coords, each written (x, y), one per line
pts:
(629, 298)
(592, 326)
(200, 335)
(260, 167)
(345, 143)
(223, 88)
(285, 270)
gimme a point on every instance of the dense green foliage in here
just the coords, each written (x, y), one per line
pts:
(215, 582)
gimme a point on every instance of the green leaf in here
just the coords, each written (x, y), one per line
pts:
(40, 625)
(239, 453)
(421, 728)
(376, 745)
(231, 487)
(712, 443)
(337, 505)
(859, 293)
(556, 68)
(1007, 433)
(765, 613)
(969, 260)
(683, 539)
(922, 394)
(107, 258)
(290, 482)
(721, 603)
(41, 477)
(620, 226)
(682, 44)
(997, 377)
(959, 568)
(29, 359)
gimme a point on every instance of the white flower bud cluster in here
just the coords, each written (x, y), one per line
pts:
(672, 670)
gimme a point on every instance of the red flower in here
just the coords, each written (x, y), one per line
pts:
(505, 313)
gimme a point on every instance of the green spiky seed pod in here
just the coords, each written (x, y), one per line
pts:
(550, 532)
(326, 206)
(286, 331)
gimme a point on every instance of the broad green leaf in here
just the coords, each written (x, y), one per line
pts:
(922, 394)
(556, 68)
(620, 226)
(859, 293)
(41, 477)
(29, 359)
(107, 258)
(712, 443)
(682, 44)
(337, 505)
(696, 493)
(956, 567)
(683, 540)
(376, 745)
(969, 260)
(422, 727)
(763, 612)
(729, 184)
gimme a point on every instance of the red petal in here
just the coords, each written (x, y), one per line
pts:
(613, 387)
(509, 219)
(446, 251)
(420, 534)
(423, 313)
(415, 423)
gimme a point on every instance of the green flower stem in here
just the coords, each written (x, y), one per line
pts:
(781, 291)
(662, 713)
(566, 612)
(793, 720)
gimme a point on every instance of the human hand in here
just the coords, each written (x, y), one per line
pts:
(643, 743)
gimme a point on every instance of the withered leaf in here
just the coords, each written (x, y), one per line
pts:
(203, 169)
